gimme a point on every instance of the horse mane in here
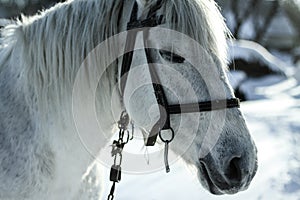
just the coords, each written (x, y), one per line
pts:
(54, 43)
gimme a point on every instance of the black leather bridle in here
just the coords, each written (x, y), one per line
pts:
(165, 109)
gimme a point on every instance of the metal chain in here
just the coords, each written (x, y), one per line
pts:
(116, 152)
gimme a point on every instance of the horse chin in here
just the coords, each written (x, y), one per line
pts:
(206, 181)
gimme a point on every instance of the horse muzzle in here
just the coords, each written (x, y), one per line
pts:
(229, 175)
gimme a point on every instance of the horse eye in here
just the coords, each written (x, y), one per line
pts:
(171, 57)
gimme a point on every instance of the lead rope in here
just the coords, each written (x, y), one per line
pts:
(116, 152)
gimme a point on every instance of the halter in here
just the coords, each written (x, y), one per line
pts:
(165, 109)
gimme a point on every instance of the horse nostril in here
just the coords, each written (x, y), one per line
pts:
(233, 172)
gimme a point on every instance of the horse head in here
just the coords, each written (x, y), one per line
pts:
(186, 53)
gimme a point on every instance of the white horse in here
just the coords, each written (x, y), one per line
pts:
(44, 153)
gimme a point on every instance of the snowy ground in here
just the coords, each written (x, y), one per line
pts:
(274, 122)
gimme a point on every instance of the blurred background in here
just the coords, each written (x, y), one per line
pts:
(13, 8)
(267, 34)
(264, 62)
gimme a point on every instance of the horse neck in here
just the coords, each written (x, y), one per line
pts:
(52, 59)
(58, 138)
(14, 110)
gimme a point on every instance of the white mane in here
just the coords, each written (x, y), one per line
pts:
(53, 44)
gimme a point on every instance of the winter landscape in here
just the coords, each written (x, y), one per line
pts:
(271, 109)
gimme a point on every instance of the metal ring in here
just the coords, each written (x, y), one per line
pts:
(172, 137)
(110, 197)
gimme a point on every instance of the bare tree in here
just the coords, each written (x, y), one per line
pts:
(292, 9)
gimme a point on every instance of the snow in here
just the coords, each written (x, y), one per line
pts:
(251, 51)
(273, 120)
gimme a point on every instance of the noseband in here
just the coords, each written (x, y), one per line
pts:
(165, 109)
